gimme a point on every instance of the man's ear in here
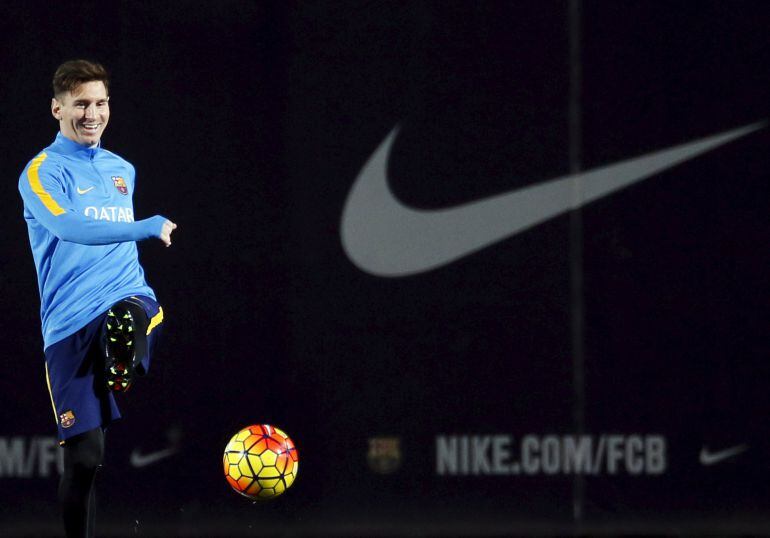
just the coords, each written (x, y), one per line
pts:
(56, 108)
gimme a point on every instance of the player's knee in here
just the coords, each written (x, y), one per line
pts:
(86, 451)
(91, 457)
(137, 313)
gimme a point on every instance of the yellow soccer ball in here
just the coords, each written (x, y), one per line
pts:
(260, 462)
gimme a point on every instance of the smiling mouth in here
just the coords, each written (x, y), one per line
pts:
(90, 127)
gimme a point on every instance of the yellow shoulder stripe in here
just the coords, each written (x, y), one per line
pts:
(156, 320)
(33, 175)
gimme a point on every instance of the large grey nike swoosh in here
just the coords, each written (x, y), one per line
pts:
(383, 237)
(139, 460)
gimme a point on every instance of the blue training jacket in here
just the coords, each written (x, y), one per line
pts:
(79, 212)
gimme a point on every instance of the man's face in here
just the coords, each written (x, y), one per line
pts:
(83, 113)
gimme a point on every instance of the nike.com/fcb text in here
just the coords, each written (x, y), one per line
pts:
(469, 455)
(23, 456)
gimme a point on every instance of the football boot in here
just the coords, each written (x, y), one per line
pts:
(120, 333)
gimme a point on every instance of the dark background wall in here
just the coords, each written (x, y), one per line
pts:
(642, 316)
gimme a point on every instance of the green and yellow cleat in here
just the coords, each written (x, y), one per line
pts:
(119, 348)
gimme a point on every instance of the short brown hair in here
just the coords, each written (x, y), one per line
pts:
(73, 73)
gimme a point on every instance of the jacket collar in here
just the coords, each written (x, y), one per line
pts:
(70, 147)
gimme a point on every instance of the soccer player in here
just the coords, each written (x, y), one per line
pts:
(100, 319)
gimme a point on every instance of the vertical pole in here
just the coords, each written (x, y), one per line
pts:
(577, 302)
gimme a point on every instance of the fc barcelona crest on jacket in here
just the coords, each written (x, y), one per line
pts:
(120, 184)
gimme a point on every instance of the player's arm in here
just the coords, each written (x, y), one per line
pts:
(43, 192)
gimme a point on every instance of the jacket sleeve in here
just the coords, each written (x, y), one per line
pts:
(42, 189)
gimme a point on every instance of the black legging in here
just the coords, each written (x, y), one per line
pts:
(83, 454)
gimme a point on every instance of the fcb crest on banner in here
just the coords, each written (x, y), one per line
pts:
(120, 184)
(384, 455)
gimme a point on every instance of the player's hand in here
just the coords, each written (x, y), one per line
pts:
(165, 232)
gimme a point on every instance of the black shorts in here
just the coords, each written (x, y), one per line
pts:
(75, 374)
